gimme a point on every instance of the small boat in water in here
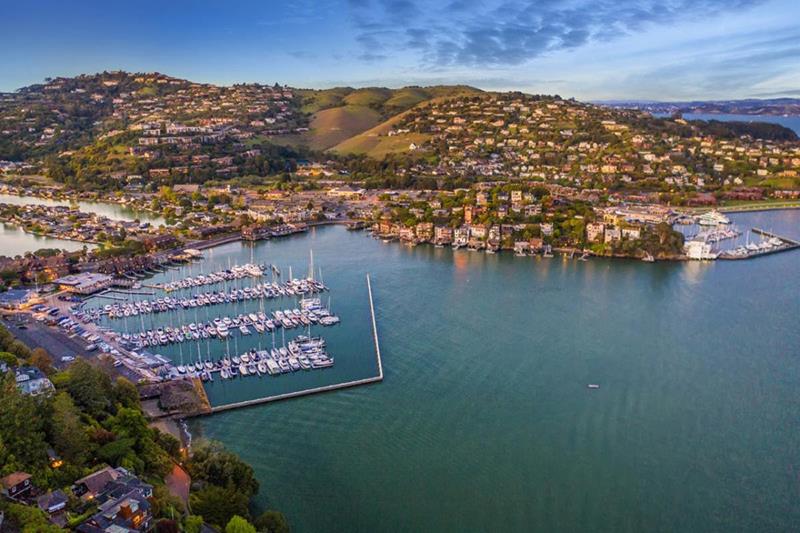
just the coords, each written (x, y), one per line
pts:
(593, 386)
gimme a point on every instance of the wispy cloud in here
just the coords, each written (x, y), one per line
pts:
(475, 33)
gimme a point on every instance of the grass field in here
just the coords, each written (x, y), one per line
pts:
(332, 126)
(377, 144)
(347, 120)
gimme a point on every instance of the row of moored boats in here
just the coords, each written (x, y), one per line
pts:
(247, 270)
(294, 287)
(303, 353)
(223, 327)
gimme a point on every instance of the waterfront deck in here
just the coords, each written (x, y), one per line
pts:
(316, 390)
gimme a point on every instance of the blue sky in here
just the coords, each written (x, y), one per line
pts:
(589, 49)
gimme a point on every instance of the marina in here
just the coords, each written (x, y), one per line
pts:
(324, 388)
(770, 244)
(169, 328)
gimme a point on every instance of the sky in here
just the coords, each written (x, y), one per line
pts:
(587, 49)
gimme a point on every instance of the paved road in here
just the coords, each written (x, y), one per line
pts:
(178, 483)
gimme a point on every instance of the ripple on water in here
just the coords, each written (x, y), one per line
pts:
(484, 421)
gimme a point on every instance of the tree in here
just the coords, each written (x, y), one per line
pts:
(212, 463)
(30, 519)
(192, 524)
(165, 504)
(167, 526)
(68, 435)
(271, 522)
(217, 505)
(21, 428)
(131, 425)
(125, 393)
(237, 524)
(42, 360)
(90, 387)
(8, 358)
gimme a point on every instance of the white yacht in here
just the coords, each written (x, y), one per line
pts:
(712, 218)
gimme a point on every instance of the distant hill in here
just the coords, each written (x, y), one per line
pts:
(752, 106)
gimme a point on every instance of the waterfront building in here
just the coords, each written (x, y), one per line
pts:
(612, 234)
(84, 283)
(15, 298)
(699, 250)
(443, 235)
(424, 231)
(536, 243)
(595, 232)
(256, 233)
(407, 234)
(631, 232)
(478, 232)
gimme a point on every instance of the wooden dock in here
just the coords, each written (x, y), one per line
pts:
(326, 388)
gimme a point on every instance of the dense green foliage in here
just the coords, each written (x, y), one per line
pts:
(213, 464)
(758, 130)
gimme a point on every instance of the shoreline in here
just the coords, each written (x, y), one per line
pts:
(65, 198)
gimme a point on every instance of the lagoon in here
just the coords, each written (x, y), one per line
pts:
(17, 242)
(484, 421)
(107, 209)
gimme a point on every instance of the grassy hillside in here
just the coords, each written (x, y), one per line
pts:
(377, 144)
(351, 120)
(371, 96)
(332, 126)
(317, 100)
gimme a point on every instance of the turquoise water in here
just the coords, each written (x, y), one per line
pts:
(17, 242)
(110, 210)
(484, 421)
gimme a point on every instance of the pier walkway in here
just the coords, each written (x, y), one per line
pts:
(336, 386)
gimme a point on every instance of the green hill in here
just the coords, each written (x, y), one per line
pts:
(373, 97)
(332, 126)
(352, 120)
(375, 142)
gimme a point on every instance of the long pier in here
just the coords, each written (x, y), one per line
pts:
(765, 233)
(326, 388)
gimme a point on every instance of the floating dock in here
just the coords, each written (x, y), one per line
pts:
(326, 388)
(788, 244)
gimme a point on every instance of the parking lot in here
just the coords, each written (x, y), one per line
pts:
(53, 339)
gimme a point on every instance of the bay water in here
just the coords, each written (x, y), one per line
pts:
(484, 421)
